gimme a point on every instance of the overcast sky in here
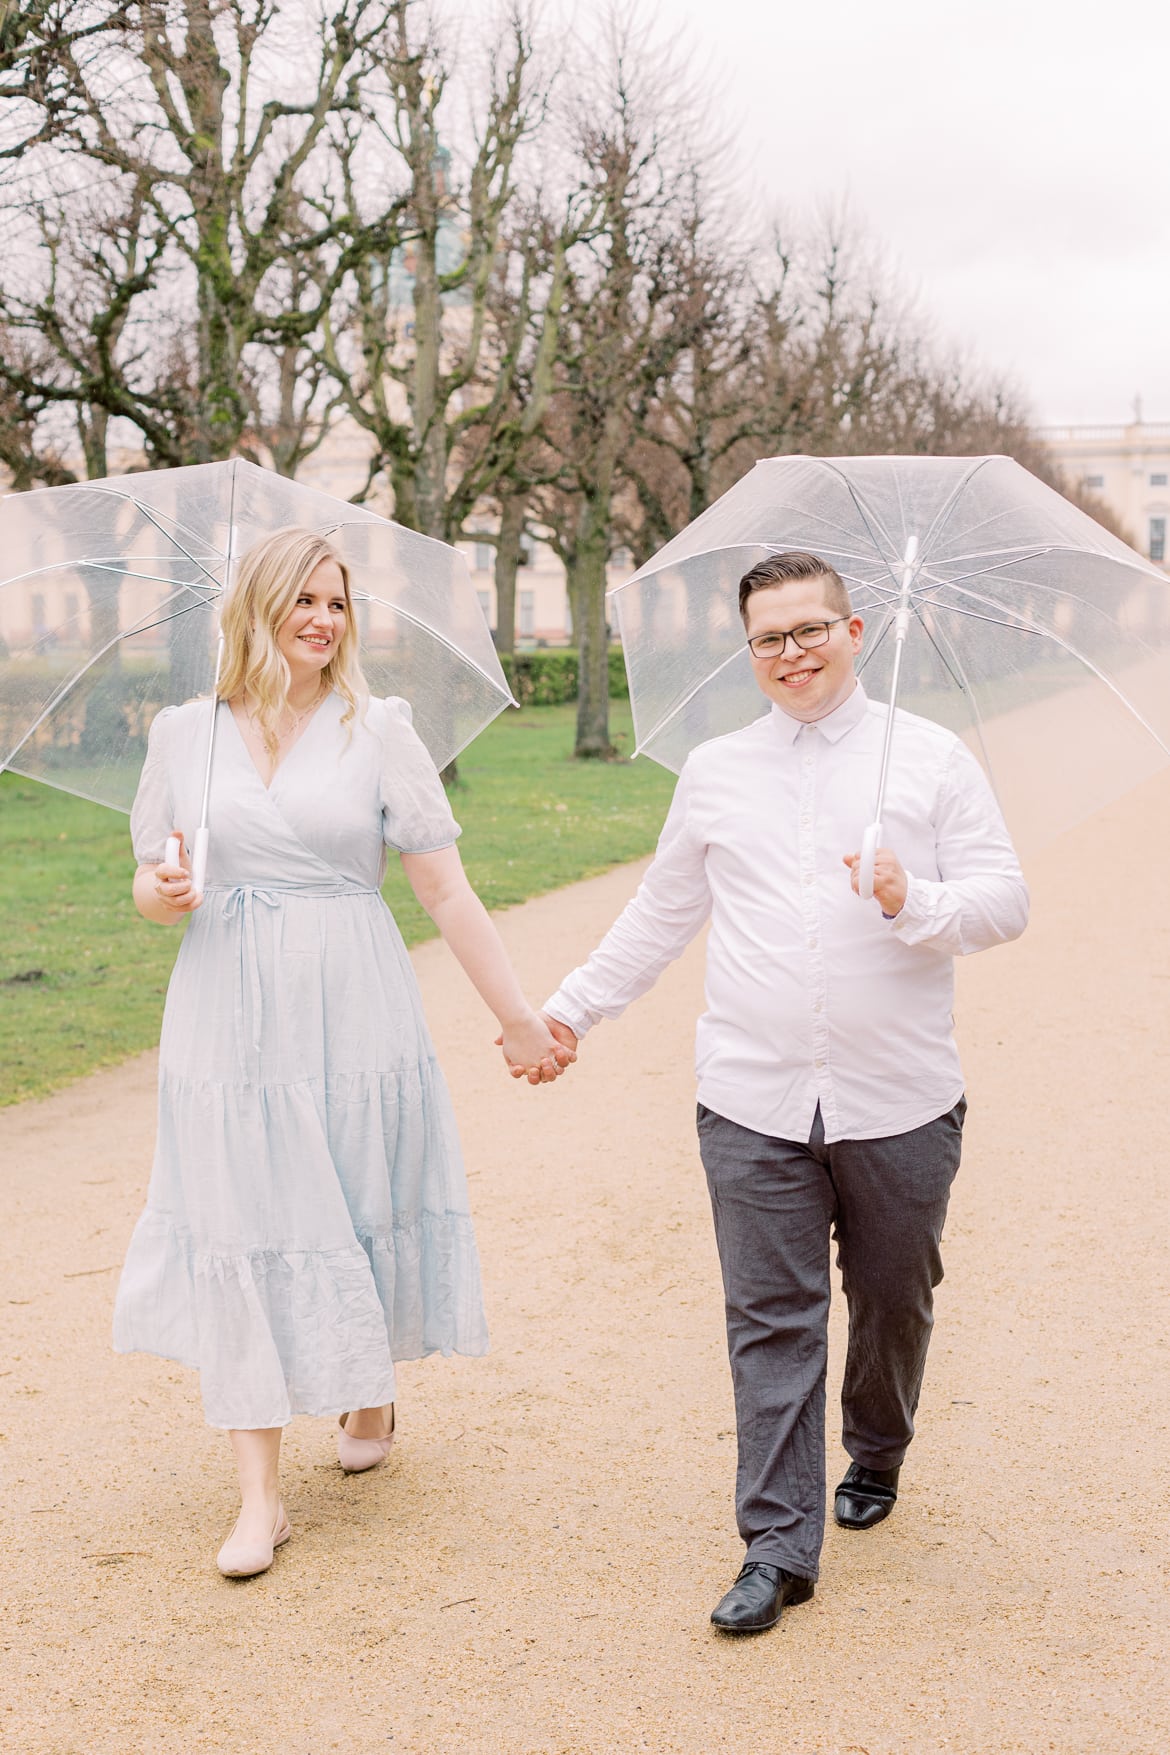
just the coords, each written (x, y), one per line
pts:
(1012, 155)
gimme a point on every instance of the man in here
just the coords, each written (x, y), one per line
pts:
(830, 1093)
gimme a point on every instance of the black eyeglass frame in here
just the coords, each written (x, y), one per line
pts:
(786, 634)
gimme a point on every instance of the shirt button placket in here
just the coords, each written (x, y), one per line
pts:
(810, 914)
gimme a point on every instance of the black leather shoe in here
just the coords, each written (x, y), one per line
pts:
(757, 1597)
(865, 1496)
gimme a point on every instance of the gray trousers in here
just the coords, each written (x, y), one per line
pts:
(775, 1203)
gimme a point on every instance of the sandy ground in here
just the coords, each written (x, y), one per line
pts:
(533, 1570)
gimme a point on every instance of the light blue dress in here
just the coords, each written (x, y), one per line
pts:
(307, 1220)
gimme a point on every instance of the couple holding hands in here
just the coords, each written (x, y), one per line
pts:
(307, 1221)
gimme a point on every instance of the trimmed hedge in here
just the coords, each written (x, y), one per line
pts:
(549, 678)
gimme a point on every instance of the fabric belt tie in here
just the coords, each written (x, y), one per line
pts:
(242, 900)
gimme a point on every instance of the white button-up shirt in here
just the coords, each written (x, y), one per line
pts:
(813, 996)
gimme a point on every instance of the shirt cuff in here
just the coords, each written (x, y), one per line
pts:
(566, 1012)
(915, 911)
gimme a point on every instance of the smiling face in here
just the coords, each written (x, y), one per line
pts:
(311, 632)
(807, 685)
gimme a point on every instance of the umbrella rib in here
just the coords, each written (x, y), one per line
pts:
(99, 567)
(863, 511)
(936, 525)
(991, 517)
(417, 622)
(965, 688)
(66, 688)
(1024, 552)
(171, 537)
(1049, 634)
(72, 681)
(929, 594)
(147, 578)
(147, 513)
(641, 576)
(162, 620)
(959, 681)
(948, 506)
(871, 649)
(1036, 585)
(673, 712)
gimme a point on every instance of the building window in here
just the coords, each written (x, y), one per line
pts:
(71, 606)
(568, 615)
(1157, 539)
(527, 612)
(1158, 480)
(527, 550)
(1094, 481)
(621, 558)
(38, 615)
(483, 557)
(485, 603)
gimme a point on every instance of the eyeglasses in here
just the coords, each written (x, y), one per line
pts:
(805, 637)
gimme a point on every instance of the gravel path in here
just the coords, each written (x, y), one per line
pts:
(532, 1572)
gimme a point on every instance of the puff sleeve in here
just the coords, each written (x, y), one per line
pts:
(152, 813)
(416, 817)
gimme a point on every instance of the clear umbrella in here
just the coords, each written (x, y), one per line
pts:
(991, 604)
(109, 592)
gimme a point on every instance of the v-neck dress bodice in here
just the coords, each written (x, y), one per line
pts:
(307, 1221)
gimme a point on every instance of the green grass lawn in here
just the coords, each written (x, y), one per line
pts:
(82, 977)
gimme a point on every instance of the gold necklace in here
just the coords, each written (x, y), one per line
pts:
(298, 718)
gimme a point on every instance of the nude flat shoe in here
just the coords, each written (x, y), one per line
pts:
(237, 1559)
(358, 1454)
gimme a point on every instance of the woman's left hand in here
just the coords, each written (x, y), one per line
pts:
(532, 1051)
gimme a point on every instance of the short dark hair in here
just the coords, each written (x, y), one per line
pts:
(788, 567)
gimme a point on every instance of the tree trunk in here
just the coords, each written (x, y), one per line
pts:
(93, 428)
(587, 595)
(512, 512)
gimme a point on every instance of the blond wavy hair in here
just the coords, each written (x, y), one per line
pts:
(272, 575)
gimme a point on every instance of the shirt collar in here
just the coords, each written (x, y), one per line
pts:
(834, 725)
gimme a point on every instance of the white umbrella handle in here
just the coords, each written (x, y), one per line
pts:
(198, 857)
(870, 842)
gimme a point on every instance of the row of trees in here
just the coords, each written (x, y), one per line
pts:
(526, 278)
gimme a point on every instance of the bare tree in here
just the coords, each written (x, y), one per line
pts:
(38, 42)
(628, 318)
(26, 453)
(419, 356)
(171, 108)
(503, 454)
(74, 342)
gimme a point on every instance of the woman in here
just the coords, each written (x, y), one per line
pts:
(307, 1220)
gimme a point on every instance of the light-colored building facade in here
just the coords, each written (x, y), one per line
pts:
(340, 467)
(543, 617)
(1129, 467)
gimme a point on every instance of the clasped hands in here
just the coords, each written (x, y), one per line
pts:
(541, 1048)
(537, 1048)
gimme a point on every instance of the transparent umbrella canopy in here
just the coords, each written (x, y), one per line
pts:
(110, 591)
(991, 604)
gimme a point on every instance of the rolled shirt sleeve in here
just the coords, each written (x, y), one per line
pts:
(980, 898)
(671, 905)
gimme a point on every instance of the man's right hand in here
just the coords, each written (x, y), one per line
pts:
(566, 1037)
